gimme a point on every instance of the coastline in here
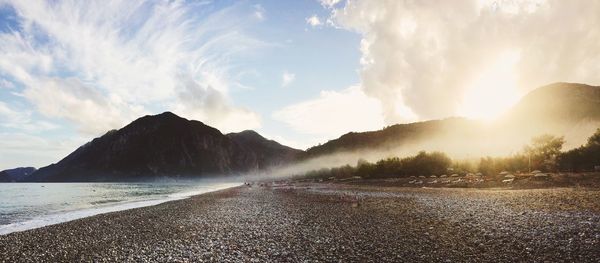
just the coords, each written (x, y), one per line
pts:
(66, 216)
(331, 222)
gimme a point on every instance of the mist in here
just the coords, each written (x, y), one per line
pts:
(468, 141)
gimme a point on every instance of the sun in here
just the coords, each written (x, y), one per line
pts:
(494, 90)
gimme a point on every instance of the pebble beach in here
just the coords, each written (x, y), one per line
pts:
(322, 222)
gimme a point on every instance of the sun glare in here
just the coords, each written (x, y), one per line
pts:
(493, 90)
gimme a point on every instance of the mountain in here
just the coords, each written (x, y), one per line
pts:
(568, 109)
(166, 145)
(266, 152)
(556, 105)
(388, 138)
(565, 109)
(16, 174)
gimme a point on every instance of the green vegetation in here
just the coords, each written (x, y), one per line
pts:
(422, 164)
(584, 158)
(543, 153)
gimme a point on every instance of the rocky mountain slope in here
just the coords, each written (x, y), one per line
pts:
(166, 145)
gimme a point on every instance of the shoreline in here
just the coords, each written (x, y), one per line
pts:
(67, 216)
(331, 222)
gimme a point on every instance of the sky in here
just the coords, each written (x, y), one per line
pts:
(300, 72)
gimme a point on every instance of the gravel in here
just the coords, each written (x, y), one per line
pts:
(331, 223)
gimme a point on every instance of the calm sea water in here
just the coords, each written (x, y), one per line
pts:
(30, 205)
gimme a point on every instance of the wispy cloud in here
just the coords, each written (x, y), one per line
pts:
(287, 78)
(329, 3)
(22, 120)
(5, 84)
(259, 12)
(333, 113)
(22, 149)
(100, 64)
(313, 21)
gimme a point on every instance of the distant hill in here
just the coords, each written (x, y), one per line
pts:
(166, 145)
(568, 109)
(391, 137)
(556, 105)
(265, 152)
(16, 174)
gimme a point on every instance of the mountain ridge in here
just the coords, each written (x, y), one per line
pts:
(558, 108)
(190, 148)
(163, 145)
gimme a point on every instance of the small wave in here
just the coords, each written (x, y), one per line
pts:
(100, 202)
(77, 214)
(202, 190)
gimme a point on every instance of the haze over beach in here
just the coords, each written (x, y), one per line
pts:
(294, 131)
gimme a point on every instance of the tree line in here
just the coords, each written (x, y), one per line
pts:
(543, 154)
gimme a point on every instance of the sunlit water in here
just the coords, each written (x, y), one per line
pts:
(30, 205)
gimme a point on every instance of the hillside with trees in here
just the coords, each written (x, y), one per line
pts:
(584, 158)
(543, 154)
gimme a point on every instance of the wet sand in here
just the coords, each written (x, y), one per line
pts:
(332, 223)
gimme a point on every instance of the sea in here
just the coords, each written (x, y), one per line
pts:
(26, 206)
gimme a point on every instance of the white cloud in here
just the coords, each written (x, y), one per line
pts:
(7, 114)
(77, 102)
(22, 120)
(329, 3)
(5, 84)
(314, 21)
(287, 78)
(203, 101)
(333, 113)
(424, 57)
(100, 65)
(21, 149)
(259, 12)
